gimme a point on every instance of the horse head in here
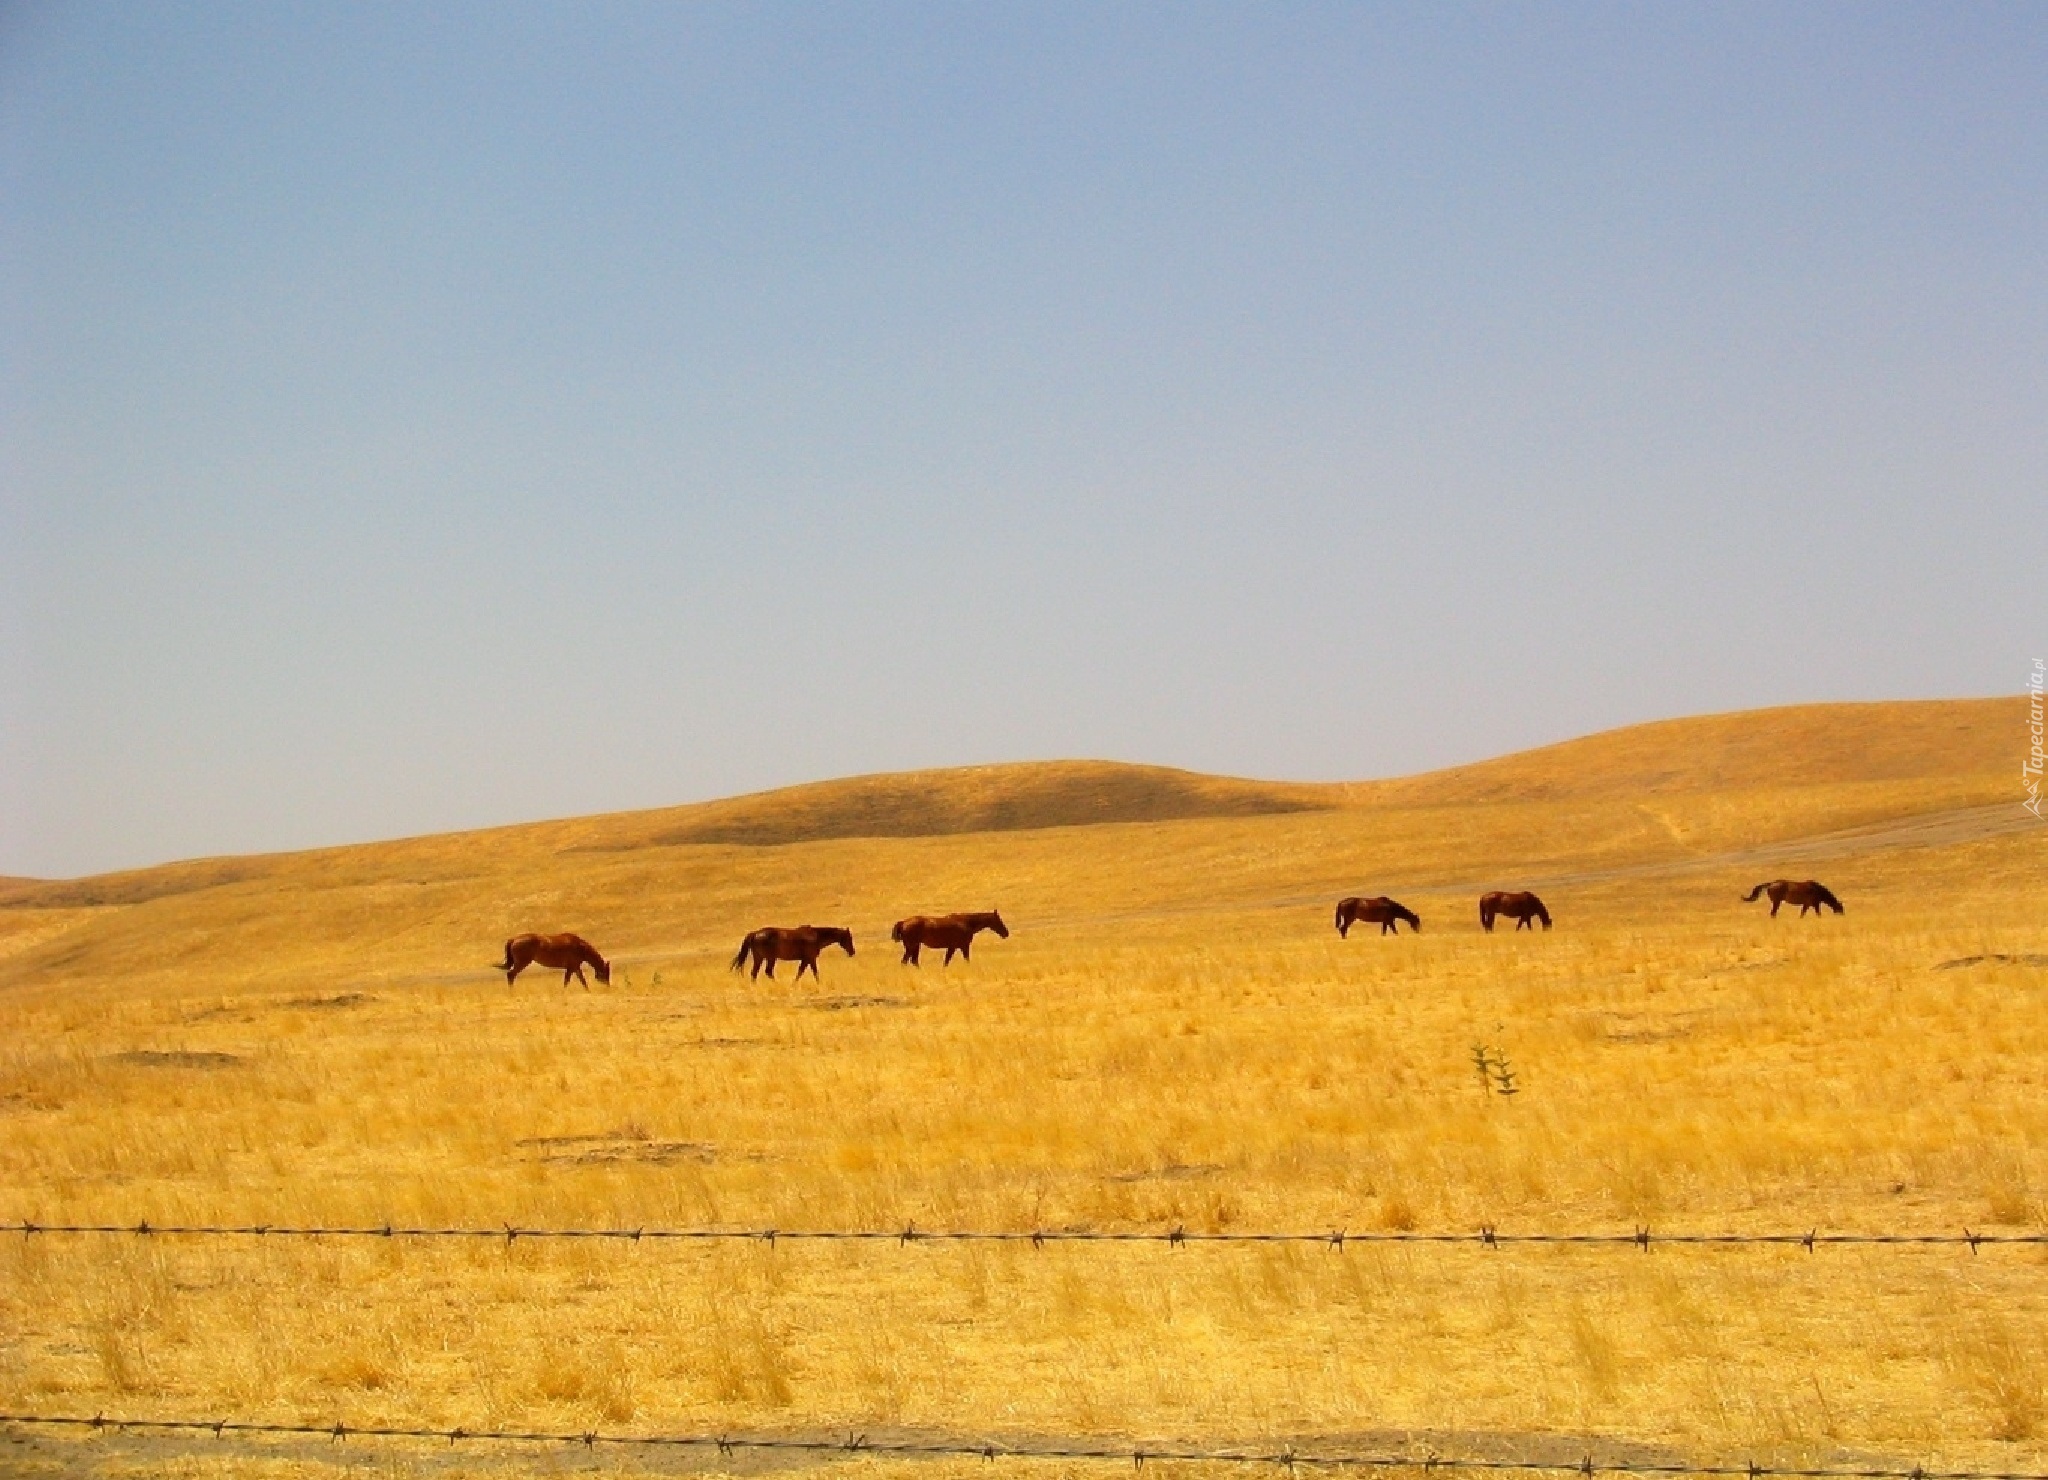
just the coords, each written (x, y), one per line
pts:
(995, 923)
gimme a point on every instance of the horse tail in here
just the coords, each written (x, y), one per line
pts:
(1751, 896)
(1828, 898)
(506, 964)
(1340, 919)
(896, 931)
(741, 959)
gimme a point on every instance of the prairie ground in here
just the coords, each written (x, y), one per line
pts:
(1173, 1036)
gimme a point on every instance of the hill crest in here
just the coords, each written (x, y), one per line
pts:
(1010, 797)
(1802, 745)
(1739, 750)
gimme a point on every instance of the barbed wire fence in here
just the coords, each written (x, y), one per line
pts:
(1486, 1236)
(1642, 1239)
(1073, 1449)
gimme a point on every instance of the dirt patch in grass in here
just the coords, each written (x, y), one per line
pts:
(613, 1147)
(1173, 1171)
(176, 1058)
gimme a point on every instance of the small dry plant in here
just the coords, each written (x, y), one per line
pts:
(1496, 1074)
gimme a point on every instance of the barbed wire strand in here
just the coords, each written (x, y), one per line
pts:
(1060, 1449)
(1486, 1237)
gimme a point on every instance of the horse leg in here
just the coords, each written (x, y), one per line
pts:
(809, 963)
(512, 974)
(1776, 900)
(967, 950)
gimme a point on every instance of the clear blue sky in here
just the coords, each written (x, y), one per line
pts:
(415, 417)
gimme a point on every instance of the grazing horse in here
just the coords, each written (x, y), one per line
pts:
(773, 943)
(1519, 907)
(1380, 911)
(568, 954)
(1808, 894)
(950, 932)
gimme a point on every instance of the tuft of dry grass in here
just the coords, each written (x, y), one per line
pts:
(2004, 1369)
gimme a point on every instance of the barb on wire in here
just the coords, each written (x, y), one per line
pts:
(1486, 1236)
(1137, 1455)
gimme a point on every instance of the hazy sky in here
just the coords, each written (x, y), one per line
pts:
(421, 416)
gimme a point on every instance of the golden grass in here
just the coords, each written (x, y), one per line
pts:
(1174, 1035)
(1757, 749)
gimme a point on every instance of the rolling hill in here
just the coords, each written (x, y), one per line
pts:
(1752, 749)
(1810, 745)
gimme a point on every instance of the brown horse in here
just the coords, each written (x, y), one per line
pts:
(568, 954)
(1808, 894)
(950, 932)
(772, 943)
(1380, 911)
(1520, 908)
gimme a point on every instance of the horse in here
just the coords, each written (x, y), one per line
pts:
(951, 932)
(772, 943)
(1808, 894)
(1381, 911)
(568, 954)
(1519, 907)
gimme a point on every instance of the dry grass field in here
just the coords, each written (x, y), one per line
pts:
(1173, 1036)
